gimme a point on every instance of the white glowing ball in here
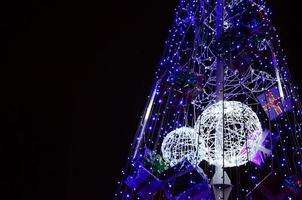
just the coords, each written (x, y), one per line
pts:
(232, 140)
(180, 144)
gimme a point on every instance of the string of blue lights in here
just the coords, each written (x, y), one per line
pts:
(189, 145)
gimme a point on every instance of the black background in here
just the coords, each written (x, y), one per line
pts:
(75, 77)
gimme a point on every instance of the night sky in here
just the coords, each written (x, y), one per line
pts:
(74, 81)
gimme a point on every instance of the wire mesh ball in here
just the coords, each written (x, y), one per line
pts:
(232, 140)
(181, 144)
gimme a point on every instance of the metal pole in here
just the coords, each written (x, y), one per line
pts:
(219, 65)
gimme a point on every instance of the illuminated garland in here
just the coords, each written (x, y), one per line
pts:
(259, 121)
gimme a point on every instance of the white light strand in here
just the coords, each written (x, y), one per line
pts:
(231, 140)
(181, 144)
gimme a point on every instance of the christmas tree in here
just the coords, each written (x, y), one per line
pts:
(223, 120)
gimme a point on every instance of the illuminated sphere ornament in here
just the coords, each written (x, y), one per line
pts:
(181, 144)
(231, 140)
